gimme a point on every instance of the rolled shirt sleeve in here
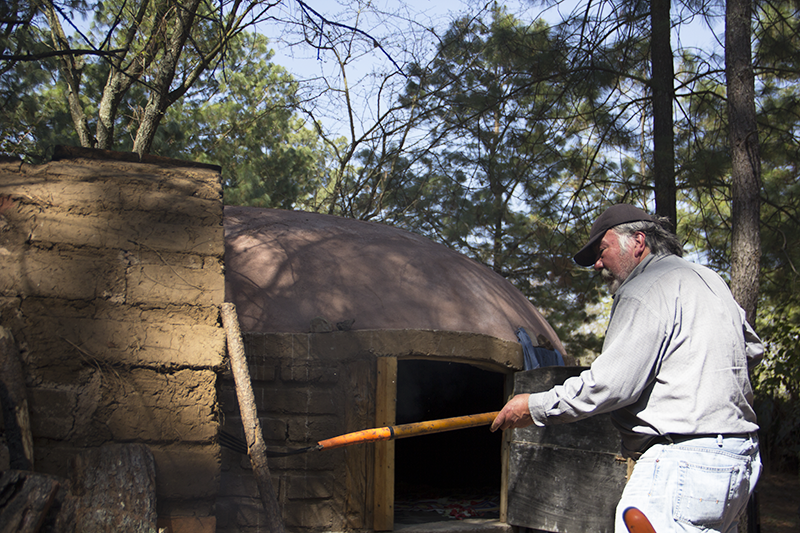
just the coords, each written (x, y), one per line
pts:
(616, 378)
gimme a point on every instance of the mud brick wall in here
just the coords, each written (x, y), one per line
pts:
(308, 387)
(112, 278)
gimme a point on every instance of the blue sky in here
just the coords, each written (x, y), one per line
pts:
(401, 33)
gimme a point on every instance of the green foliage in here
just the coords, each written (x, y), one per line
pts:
(777, 380)
(243, 119)
(239, 114)
(522, 134)
(24, 84)
(704, 179)
(117, 76)
(509, 126)
(777, 384)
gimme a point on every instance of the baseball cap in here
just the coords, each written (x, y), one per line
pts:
(613, 216)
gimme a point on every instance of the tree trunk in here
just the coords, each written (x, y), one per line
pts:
(745, 158)
(663, 87)
(26, 499)
(159, 99)
(114, 489)
(256, 447)
(107, 112)
(120, 78)
(71, 70)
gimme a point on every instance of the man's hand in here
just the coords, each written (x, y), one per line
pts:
(515, 414)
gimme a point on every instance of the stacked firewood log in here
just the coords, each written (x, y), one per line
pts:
(111, 488)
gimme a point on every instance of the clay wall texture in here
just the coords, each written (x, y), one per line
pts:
(308, 387)
(112, 278)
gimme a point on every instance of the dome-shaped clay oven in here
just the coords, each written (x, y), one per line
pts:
(292, 271)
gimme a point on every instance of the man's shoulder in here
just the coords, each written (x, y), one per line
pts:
(661, 264)
(660, 271)
(670, 270)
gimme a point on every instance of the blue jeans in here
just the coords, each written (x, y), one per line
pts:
(701, 484)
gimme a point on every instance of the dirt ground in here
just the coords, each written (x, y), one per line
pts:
(779, 503)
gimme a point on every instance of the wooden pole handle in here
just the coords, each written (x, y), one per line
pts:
(408, 430)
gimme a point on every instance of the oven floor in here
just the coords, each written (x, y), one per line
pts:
(468, 525)
(422, 506)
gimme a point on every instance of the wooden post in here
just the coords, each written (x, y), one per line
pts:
(15, 404)
(256, 447)
(385, 413)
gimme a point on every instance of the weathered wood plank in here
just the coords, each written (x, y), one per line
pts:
(565, 490)
(564, 478)
(25, 499)
(505, 457)
(359, 460)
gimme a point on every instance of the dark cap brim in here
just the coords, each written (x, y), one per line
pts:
(586, 256)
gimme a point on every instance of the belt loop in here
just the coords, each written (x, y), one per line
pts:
(719, 440)
(631, 463)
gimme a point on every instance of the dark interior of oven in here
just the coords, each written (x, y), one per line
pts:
(451, 475)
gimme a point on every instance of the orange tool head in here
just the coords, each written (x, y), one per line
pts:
(366, 435)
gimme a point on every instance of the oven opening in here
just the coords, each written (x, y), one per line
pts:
(456, 474)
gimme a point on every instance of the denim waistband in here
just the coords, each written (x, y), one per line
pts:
(673, 438)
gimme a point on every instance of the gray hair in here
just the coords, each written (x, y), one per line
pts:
(658, 236)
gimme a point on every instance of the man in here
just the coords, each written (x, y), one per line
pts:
(673, 373)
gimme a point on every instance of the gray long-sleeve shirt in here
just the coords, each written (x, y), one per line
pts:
(675, 360)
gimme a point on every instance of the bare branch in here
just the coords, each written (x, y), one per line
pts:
(307, 9)
(61, 53)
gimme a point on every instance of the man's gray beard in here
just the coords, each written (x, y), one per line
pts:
(612, 281)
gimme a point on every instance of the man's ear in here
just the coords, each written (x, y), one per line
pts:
(640, 247)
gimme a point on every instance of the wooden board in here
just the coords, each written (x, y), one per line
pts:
(386, 398)
(359, 460)
(565, 478)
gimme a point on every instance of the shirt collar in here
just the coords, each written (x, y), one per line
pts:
(638, 270)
